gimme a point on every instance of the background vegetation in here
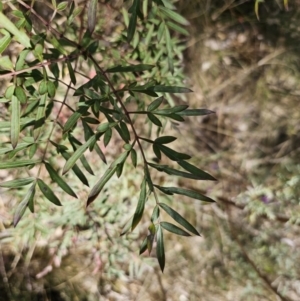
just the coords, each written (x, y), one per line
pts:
(244, 69)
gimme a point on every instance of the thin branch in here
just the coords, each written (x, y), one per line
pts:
(115, 92)
(39, 65)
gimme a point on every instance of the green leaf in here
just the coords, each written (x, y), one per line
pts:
(143, 246)
(179, 219)
(100, 184)
(75, 143)
(132, 22)
(177, 28)
(5, 62)
(43, 87)
(122, 134)
(179, 108)
(40, 117)
(55, 70)
(54, 3)
(140, 206)
(176, 117)
(202, 175)
(154, 119)
(23, 205)
(92, 15)
(148, 178)
(15, 121)
(93, 47)
(12, 151)
(38, 51)
(171, 111)
(48, 193)
(160, 31)
(5, 40)
(159, 2)
(160, 249)
(80, 175)
(20, 94)
(133, 157)
(164, 139)
(31, 199)
(150, 237)
(100, 153)
(72, 121)
(174, 229)
(107, 136)
(190, 193)
(131, 68)
(77, 154)
(256, 7)
(19, 35)
(196, 112)
(10, 92)
(32, 150)
(173, 15)
(119, 169)
(171, 171)
(173, 155)
(103, 127)
(144, 90)
(155, 104)
(86, 40)
(62, 6)
(59, 180)
(17, 183)
(19, 163)
(127, 146)
(51, 88)
(169, 89)
(71, 72)
(125, 131)
(155, 214)
(21, 62)
(169, 46)
(156, 151)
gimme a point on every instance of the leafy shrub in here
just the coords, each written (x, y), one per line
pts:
(84, 82)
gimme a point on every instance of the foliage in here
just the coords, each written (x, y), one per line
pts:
(55, 114)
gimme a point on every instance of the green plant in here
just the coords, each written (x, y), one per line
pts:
(55, 112)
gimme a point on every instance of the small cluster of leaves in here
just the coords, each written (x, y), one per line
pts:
(31, 98)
